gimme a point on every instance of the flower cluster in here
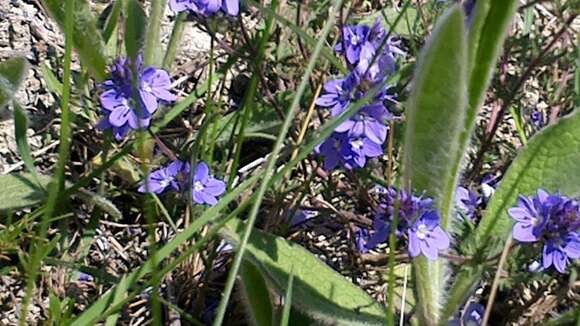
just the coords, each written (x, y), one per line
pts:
(206, 7)
(127, 108)
(417, 219)
(370, 55)
(553, 220)
(205, 189)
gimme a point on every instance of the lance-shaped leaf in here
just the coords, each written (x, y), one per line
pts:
(436, 117)
(317, 290)
(21, 190)
(87, 39)
(12, 73)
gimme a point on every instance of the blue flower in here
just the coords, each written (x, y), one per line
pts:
(467, 202)
(205, 188)
(553, 220)
(171, 176)
(122, 113)
(206, 7)
(427, 237)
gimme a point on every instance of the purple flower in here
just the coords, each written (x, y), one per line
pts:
(361, 148)
(121, 112)
(537, 119)
(473, 314)
(427, 237)
(354, 38)
(206, 7)
(467, 201)
(205, 188)
(409, 208)
(301, 216)
(339, 94)
(368, 122)
(361, 237)
(334, 149)
(553, 220)
(530, 220)
(171, 176)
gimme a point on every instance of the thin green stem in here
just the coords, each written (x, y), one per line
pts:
(174, 40)
(269, 170)
(152, 57)
(39, 247)
(392, 263)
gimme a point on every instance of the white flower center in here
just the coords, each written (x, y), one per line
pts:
(147, 87)
(354, 40)
(357, 144)
(198, 186)
(422, 232)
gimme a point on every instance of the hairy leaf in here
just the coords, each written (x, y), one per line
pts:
(255, 295)
(21, 190)
(436, 116)
(135, 27)
(87, 39)
(317, 290)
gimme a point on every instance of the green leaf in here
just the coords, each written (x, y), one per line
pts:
(255, 295)
(287, 301)
(21, 190)
(318, 290)
(135, 27)
(53, 84)
(20, 129)
(87, 39)
(262, 123)
(12, 73)
(436, 117)
(488, 30)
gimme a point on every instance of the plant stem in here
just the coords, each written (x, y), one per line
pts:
(174, 41)
(152, 57)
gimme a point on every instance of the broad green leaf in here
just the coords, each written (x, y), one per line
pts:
(135, 27)
(318, 290)
(87, 39)
(255, 295)
(549, 161)
(436, 116)
(21, 190)
(12, 73)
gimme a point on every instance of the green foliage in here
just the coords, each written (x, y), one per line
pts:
(12, 73)
(87, 39)
(318, 291)
(549, 161)
(255, 295)
(435, 118)
(21, 190)
(135, 27)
